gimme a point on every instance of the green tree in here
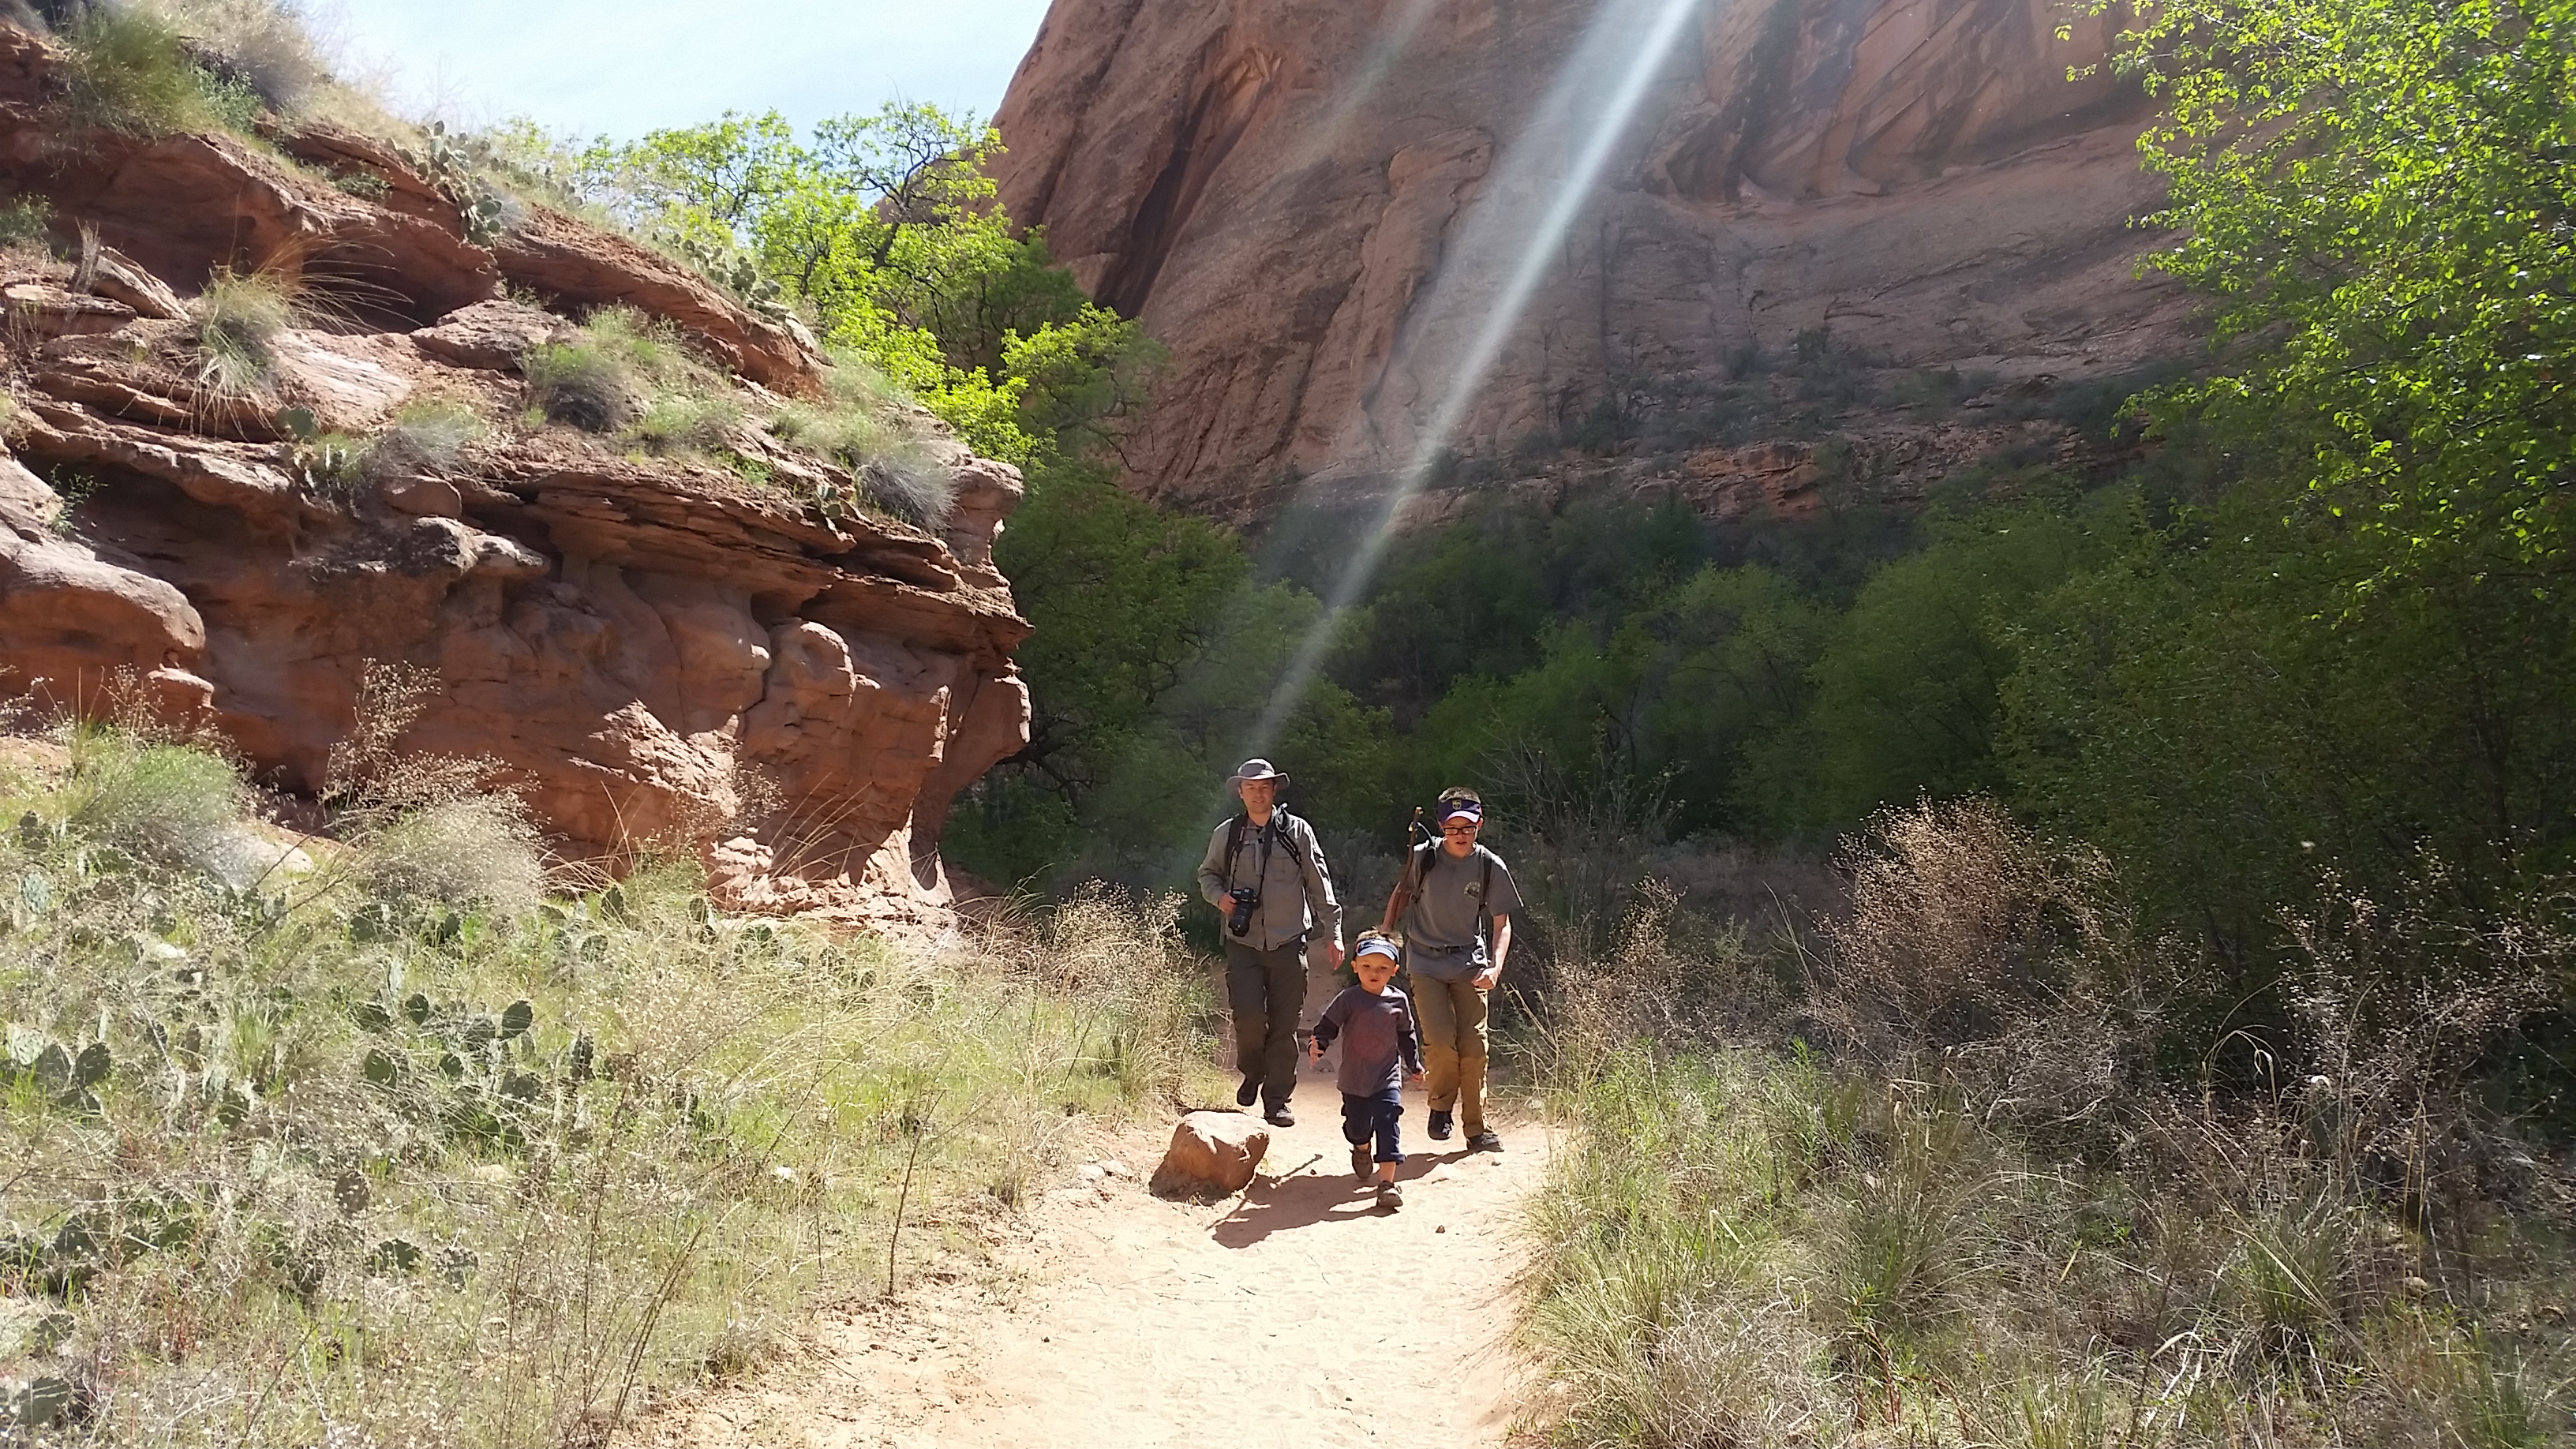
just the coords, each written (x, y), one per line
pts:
(2378, 194)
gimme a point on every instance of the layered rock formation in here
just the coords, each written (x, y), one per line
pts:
(1317, 205)
(667, 648)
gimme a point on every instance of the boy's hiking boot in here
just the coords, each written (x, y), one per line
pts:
(1439, 1128)
(1360, 1163)
(1280, 1116)
(1245, 1095)
(1390, 1196)
(1484, 1142)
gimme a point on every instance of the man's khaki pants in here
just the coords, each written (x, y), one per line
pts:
(1452, 1016)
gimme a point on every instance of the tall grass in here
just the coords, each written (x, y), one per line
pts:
(236, 322)
(1979, 1217)
(345, 1153)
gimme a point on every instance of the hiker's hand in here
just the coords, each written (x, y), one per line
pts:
(1485, 979)
(1314, 1050)
(1414, 1076)
(1332, 955)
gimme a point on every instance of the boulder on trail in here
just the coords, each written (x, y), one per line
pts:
(1212, 1153)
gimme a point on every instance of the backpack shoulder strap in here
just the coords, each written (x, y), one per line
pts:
(1425, 856)
(1234, 841)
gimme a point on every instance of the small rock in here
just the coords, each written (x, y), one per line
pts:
(1114, 1167)
(1212, 1153)
(2416, 1287)
(1442, 1228)
(424, 497)
(1093, 1172)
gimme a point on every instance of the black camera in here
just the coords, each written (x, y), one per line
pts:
(1246, 901)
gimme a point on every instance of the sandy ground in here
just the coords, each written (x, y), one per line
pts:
(1296, 1313)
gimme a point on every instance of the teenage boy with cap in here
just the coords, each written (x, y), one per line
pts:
(1265, 874)
(1448, 890)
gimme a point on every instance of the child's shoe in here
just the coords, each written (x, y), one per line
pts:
(1390, 1196)
(1360, 1164)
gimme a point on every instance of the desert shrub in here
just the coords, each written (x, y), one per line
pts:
(157, 800)
(24, 222)
(630, 375)
(236, 322)
(477, 852)
(132, 71)
(592, 382)
(1745, 1247)
(257, 45)
(680, 423)
(425, 435)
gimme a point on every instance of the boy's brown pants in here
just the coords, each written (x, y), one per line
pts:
(1452, 1017)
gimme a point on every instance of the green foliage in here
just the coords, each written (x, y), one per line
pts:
(883, 226)
(2377, 193)
(25, 221)
(1908, 681)
(1153, 653)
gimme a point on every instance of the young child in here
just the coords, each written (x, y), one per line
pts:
(1380, 1049)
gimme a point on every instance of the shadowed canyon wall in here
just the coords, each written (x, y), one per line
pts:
(1285, 193)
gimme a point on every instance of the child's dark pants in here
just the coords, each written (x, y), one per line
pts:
(1374, 1114)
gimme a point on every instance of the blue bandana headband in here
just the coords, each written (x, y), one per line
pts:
(1378, 948)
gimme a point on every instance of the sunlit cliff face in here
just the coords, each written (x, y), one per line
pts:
(1330, 209)
(1378, 235)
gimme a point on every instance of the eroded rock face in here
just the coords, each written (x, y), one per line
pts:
(1311, 203)
(654, 648)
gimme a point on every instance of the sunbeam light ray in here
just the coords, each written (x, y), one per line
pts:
(1530, 209)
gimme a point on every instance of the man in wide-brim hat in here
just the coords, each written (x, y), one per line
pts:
(1265, 874)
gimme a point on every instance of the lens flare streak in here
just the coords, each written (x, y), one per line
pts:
(1531, 207)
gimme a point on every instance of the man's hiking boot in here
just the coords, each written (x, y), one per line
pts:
(1280, 1116)
(1250, 1091)
(1484, 1142)
(1390, 1196)
(1360, 1163)
(1439, 1128)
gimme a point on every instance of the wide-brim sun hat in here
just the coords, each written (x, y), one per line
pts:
(1257, 769)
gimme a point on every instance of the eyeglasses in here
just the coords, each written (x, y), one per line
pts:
(1458, 829)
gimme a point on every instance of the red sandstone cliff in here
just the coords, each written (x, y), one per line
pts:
(634, 637)
(1288, 195)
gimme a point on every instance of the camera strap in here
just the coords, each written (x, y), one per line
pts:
(1234, 849)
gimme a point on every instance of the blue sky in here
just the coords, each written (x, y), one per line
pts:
(623, 67)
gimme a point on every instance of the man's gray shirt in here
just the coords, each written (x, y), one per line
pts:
(1444, 926)
(1285, 862)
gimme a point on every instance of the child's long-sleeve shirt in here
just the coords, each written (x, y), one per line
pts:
(1379, 1040)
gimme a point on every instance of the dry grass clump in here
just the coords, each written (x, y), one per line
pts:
(1984, 1220)
(867, 426)
(236, 323)
(631, 376)
(463, 1166)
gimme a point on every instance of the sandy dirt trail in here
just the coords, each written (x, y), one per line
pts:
(1296, 1313)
